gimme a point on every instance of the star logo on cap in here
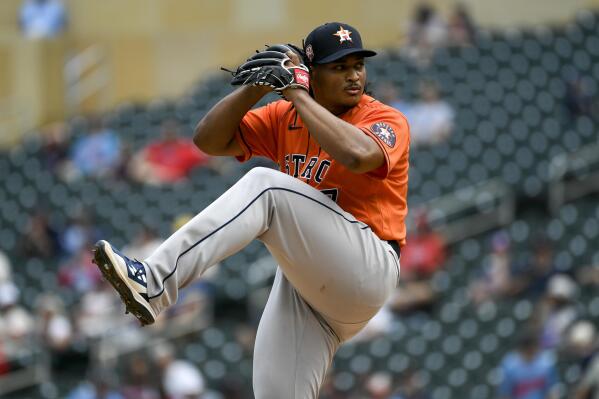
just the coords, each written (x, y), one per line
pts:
(343, 34)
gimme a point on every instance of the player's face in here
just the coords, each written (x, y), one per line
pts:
(339, 85)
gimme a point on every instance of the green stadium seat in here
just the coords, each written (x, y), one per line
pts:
(344, 381)
(360, 364)
(442, 392)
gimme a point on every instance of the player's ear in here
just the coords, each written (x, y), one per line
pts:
(313, 68)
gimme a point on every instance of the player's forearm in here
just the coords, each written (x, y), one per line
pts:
(343, 141)
(215, 131)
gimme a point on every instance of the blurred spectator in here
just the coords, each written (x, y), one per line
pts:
(99, 311)
(139, 383)
(55, 147)
(410, 387)
(16, 323)
(420, 258)
(5, 268)
(56, 333)
(426, 32)
(588, 275)
(79, 273)
(528, 372)
(378, 385)
(193, 307)
(180, 378)
(54, 327)
(39, 19)
(245, 336)
(121, 170)
(143, 244)
(495, 280)
(431, 118)
(81, 231)
(533, 281)
(425, 251)
(462, 31)
(167, 160)
(557, 311)
(579, 98)
(588, 387)
(4, 361)
(413, 296)
(581, 343)
(40, 239)
(379, 325)
(389, 94)
(96, 154)
(95, 389)
(232, 387)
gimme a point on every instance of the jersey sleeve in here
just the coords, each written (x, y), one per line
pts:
(390, 130)
(257, 133)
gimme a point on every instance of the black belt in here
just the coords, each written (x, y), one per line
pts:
(395, 245)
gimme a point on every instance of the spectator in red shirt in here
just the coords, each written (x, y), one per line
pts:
(424, 252)
(167, 160)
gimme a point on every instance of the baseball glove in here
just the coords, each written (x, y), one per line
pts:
(272, 67)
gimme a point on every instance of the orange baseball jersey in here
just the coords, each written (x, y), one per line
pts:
(377, 198)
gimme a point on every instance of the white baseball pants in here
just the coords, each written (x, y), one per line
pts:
(334, 274)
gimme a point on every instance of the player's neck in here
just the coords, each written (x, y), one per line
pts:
(337, 109)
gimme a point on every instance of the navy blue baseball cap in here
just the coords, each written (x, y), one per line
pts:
(333, 40)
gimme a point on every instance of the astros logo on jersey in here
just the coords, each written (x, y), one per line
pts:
(343, 35)
(384, 132)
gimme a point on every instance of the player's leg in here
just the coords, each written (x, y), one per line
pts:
(293, 347)
(341, 268)
(334, 261)
(220, 230)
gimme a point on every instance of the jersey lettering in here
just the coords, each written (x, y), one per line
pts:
(287, 164)
(294, 163)
(307, 173)
(298, 160)
(322, 170)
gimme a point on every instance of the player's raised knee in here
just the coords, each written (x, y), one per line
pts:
(265, 176)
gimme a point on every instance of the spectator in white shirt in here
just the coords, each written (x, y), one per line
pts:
(431, 118)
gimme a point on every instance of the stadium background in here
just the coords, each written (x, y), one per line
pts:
(516, 175)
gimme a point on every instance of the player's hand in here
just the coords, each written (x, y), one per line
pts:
(262, 90)
(290, 93)
(294, 59)
(278, 67)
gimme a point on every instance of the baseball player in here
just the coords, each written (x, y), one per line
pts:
(332, 217)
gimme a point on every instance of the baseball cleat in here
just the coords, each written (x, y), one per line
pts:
(128, 277)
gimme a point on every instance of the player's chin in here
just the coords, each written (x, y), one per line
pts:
(352, 97)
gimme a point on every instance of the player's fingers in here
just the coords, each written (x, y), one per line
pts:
(294, 57)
